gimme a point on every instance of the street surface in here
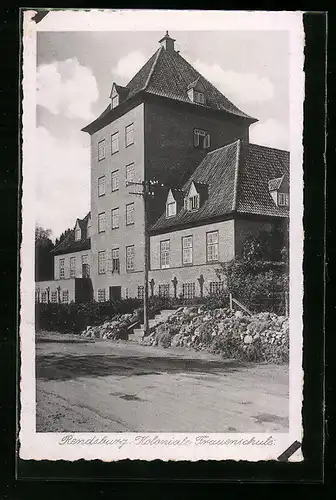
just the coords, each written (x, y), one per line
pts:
(105, 386)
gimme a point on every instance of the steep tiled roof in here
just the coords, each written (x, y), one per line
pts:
(260, 165)
(217, 171)
(168, 74)
(69, 244)
(237, 178)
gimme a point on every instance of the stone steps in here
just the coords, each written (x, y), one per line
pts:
(159, 318)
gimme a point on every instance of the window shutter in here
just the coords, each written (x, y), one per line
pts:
(109, 261)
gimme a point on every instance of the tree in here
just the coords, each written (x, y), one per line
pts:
(44, 260)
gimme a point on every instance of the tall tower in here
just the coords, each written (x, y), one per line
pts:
(160, 125)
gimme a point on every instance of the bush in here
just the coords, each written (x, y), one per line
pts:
(76, 317)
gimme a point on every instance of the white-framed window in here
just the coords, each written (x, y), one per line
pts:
(101, 295)
(212, 246)
(283, 199)
(129, 134)
(129, 214)
(187, 250)
(44, 298)
(85, 266)
(101, 222)
(53, 297)
(129, 173)
(78, 233)
(115, 260)
(201, 139)
(164, 290)
(141, 292)
(188, 290)
(61, 268)
(115, 218)
(65, 296)
(115, 143)
(192, 203)
(115, 180)
(164, 254)
(101, 262)
(72, 267)
(171, 209)
(199, 97)
(127, 294)
(216, 287)
(130, 252)
(115, 101)
(101, 150)
(101, 185)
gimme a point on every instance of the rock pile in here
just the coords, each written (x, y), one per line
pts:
(115, 328)
(261, 337)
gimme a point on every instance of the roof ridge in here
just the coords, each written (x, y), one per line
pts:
(235, 185)
(268, 147)
(158, 52)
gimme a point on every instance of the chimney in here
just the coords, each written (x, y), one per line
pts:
(167, 42)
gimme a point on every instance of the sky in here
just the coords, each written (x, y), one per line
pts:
(75, 72)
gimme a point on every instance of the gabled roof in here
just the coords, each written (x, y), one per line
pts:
(168, 74)
(69, 244)
(236, 177)
(122, 91)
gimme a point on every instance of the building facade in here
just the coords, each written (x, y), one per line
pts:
(211, 187)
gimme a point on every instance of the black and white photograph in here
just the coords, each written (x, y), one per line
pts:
(161, 274)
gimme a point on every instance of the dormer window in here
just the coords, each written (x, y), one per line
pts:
(196, 92)
(201, 139)
(192, 203)
(78, 233)
(283, 199)
(171, 209)
(115, 101)
(199, 97)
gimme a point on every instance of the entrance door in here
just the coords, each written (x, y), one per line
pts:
(115, 292)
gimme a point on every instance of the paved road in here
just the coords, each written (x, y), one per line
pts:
(105, 386)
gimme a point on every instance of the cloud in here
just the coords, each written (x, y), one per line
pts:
(240, 87)
(127, 66)
(62, 181)
(270, 133)
(66, 87)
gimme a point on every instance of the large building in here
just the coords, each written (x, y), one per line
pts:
(212, 187)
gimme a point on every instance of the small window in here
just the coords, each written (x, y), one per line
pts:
(78, 233)
(171, 209)
(101, 295)
(164, 290)
(101, 262)
(65, 297)
(115, 261)
(101, 186)
(193, 202)
(101, 222)
(129, 134)
(115, 218)
(283, 199)
(141, 292)
(72, 267)
(212, 246)
(164, 254)
(61, 268)
(188, 290)
(115, 180)
(216, 287)
(129, 214)
(201, 139)
(199, 97)
(53, 297)
(101, 150)
(115, 143)
(127, 294)
(44, 298)
(187, 250)
(115, 101)
(129, 173)
(130, 258)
